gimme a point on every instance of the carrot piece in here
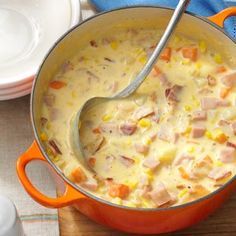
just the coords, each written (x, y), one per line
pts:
(119, 190)
(190, 53)
(206, 161)
(224, 92)
(92, 161)
(57, 84)
(96, 130)
(157, 71)
(220, 69)
(166, 54)
(183, 173)
(78, 175)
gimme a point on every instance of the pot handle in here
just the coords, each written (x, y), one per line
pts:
(220, 17)
(33, 153)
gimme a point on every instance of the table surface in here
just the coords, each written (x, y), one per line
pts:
(222, 223)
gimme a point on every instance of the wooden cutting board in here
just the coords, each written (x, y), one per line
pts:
(222, 223)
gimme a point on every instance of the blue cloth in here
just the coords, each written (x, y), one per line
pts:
(199, 7)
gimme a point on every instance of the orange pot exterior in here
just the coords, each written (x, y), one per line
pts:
(127, 219)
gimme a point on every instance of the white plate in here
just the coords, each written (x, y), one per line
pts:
(16, 89)
(28, 28)
(15, 95)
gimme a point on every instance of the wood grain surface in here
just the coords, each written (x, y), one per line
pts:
(222, 223)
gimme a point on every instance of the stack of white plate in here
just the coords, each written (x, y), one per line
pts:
(28, 29)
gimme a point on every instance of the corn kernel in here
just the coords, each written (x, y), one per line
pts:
(73, 94)
(132, 184)
(114, 45)
(70, 104)
(144, 123)
(147, 141)
(191, 149)
(49, 151)
(187, 131)
(56, 159)
(43, 137)
(208, 134)
(106, 117)
(177, 39)
(149, 174)
(202, 46)
(128, 142)
(48, 125)
(143, 59)
(185, 62)
(198, 65)
(117, 200)
(218, 58)
(130, 204)
(219, 163)
(219, 136)
(145, 203)
(182, 193)
(187, 108)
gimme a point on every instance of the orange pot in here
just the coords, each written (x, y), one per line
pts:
(143, 221)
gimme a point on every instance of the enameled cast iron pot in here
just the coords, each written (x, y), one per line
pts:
(143, 221)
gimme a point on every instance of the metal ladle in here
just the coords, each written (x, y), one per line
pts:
(132, 87)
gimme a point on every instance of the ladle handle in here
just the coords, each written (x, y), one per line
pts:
(179, 11)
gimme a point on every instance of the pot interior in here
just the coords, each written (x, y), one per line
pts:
(148, 17)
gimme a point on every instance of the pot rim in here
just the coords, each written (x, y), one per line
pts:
(60, 173)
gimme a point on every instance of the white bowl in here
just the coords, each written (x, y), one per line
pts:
(16, 94)
(28, 28)
(12, 90)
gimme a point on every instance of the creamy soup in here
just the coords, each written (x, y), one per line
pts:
(171, 142)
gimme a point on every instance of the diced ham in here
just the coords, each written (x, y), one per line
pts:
(54, 113)
(141, 148)
(231, 144)
(229, 80)
(212, 103)
(144, 191)
(142, 112)
(164, 81)
(109, 127)
(219, 173)
(223, 103)
(234, 127)
(92, 76)
(151, 163)
(113, 86)
(128, 128)
(172, 93)
(108, 59)
(49, 99)
(211, 80)
(167, 135)
(91, 185)
(43, 121)
(54, 147)
(199, 115)
(96, 143)
(93, 43)
(67, 66)
(126, 161)
(198, 130)
(228, 154)
(160, 195)
(223, 123)
(209, 103)
(182, 158)
(143, 181)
